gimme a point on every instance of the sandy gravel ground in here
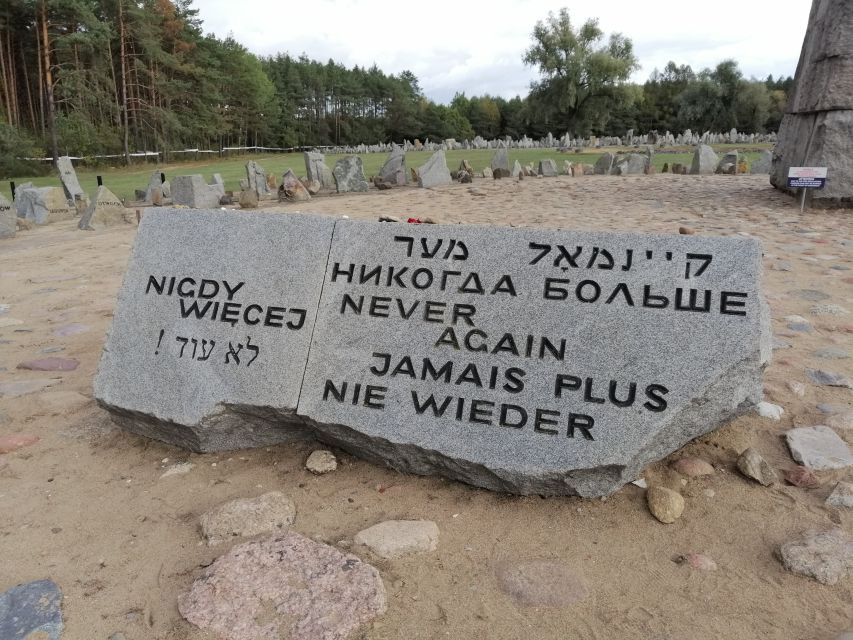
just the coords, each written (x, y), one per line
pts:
(86, 506)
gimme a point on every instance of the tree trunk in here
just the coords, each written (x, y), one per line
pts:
(33, 122)
(123, 58)
(6, 93)
(48, 83)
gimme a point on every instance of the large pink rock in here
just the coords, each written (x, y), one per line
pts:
(284, 587)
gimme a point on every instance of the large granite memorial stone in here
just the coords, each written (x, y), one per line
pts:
(43, 205)
(8, 219)
(532, 361)
(211, 330)
(106, 210)
(817, 128)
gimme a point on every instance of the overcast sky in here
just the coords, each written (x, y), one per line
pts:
(476, 46)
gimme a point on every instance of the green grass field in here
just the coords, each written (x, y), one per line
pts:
(124, 180)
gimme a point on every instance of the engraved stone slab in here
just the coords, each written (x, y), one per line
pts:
(43, 205)
(211, 331)
(532, 360)
(106, 210)
(8, 223)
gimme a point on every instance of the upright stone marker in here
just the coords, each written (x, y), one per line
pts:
(318, 171)
(349, 175)
(211, 330)
(257, 179)
(532, 360)
(155, 191)
(106, 210)
(704, 161)
(193, 191)
(393, 171)
(70, 183)
(8, 219)
(548, 168)
(434, 172)
(500, 161)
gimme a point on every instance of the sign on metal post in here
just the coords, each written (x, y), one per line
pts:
(806, 178)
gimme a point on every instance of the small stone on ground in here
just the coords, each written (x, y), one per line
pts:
(14, 441)
(23, 387)
(802, 477)
(693, 467)
(828, 378)
(752, 465)
(826, 556)
(697, 561)
(818, 448)
(50, 364)
(31, 611)
(321, 461)
(244, 517)
(665, 504)
(770, 410)
(396, 538)
(841, 496)
(541, 583)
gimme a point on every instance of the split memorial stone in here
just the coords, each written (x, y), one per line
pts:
(211, 330)
(533, 361)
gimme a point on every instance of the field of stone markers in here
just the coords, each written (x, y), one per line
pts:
(578, 406)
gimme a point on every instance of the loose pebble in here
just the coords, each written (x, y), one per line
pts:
(770, 410)
(840, 420)
(826, 556)
(665, 504)
(321, 461)
(841, 496)
(72, 329)
(50, 364)
(828, 378)
(177, 469)
(14, 441)
(828, 310)
(818, 448)
(831, 353)
(693, 467)
(31, 611)
(697, 561)
(802, 477)
(271, 512)
(541, 583)
(396, 538)
(23, 387)
(797, 388)
(752, 465)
